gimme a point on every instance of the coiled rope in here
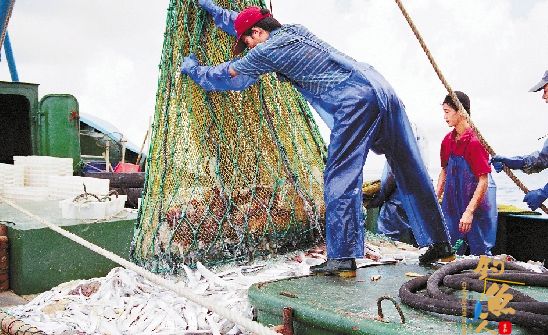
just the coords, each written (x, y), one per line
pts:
(250, 325)
(456, 100)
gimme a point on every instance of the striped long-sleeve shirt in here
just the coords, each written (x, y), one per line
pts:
(298, 55)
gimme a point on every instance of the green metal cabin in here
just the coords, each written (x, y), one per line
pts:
(49, 127)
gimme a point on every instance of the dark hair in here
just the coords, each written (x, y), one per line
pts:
(463, 98)
(268, 23)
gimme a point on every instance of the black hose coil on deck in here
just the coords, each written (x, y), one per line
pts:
(529, 312)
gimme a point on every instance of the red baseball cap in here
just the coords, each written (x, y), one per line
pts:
(244, 21)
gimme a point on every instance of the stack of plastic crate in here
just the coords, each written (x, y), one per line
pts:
(36, 171)
(10, 175)
(39, 168)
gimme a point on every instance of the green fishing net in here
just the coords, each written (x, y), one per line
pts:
(231, 176)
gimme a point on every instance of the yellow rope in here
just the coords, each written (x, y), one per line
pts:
(456, 100)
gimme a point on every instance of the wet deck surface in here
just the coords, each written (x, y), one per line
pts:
(349, 306)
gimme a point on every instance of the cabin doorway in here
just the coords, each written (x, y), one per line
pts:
(15, 127)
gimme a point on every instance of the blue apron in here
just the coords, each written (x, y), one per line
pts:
(460, 184)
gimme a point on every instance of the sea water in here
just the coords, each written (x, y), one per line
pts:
(507, 192)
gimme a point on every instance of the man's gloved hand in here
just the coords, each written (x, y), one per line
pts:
(535, 198)
(188, 63)
(223, 18)
(512, 162)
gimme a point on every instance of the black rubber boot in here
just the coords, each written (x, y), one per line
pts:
(436, 252)
(344, 267)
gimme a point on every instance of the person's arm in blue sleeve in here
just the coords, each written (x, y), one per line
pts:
(514, 163)
(533, 163)
(215, 78)
(223, 18)
(535, 198)
(537, 161)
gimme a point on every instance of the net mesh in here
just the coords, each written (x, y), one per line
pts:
(230, 175)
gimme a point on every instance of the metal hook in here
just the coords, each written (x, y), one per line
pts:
(379, 308)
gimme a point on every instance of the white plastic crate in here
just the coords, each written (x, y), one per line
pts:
(64, 187)
(10, 176)
(116, 204)
(92, 210)
(38, 168)
(85, 211)
(26, 193)
(6, 176)
(43, 161)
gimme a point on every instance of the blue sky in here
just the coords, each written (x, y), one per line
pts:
(106, 53)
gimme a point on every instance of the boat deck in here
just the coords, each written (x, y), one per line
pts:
(332, 305)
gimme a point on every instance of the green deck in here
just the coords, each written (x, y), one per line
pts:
(41, 258)
(331, 305)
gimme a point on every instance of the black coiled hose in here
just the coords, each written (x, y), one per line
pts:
(529, 312)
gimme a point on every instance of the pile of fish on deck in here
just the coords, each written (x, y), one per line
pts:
(123, 302)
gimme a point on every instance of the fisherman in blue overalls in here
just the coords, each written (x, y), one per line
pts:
(392, 220)
(358, 105)
(469, 193)
(533, 163)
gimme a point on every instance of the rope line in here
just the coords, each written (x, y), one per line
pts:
(5, 26)
(7, 322)
(461, 110)
(250, 325)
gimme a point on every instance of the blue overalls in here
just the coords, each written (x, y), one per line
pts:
(363, 112)
(460, 184)
(367, 115)
(392, 220)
